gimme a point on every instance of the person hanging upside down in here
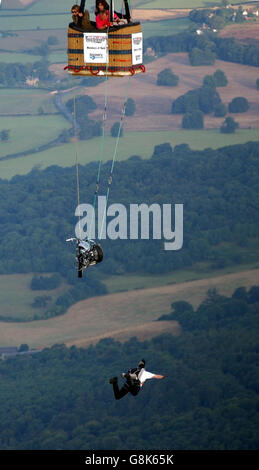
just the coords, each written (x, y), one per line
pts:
(135, 379)
(89, 253)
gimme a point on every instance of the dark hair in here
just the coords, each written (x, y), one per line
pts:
(75, 7)
(104, 3)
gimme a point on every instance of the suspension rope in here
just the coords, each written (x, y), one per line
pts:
(97, 186)
(101, 151)
(115, 155)
(76, 159)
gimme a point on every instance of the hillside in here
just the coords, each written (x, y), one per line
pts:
(121, 315)
(153, 103)
(61, 398)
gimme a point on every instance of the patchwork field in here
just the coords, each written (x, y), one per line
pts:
(154, 103)
(247, 32)
(121, 315)
(28, 132)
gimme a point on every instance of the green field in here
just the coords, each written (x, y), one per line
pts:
(28, 132)
(58, 57)
(19, 101)
(132, 143)
(19, 305)
(23, 23)
(129, 282)
(18, 57)
(165, 27)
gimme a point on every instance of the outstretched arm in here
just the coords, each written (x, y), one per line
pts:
(82, 6)
(156, 376)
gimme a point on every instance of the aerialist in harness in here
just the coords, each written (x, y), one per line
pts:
(88, 254)
(135, 379)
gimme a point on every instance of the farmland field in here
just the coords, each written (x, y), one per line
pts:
(39, 129)
(10, 58)
(165, 27)
(19, 23)
(15, 101)
(20, 304)
(133, 143)
(153, 103)
(121, 315)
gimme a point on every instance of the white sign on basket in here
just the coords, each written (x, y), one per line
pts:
(96, 48)
(137, 48)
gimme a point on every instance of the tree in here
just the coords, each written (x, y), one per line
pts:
(204, 99)
(193, 120)
(41, 301)
(4, 135)
(240, 293)
(24, 347)
(220, 110)
(185, 103)
(52, 41)
(238, 105)
(210, 81)
(84, 105)
(229, 126)
(115, 129)
(64, 136)
(199, 56)
(240, 18)
(253, 295)
(89, 129)
(220, 78)
(208, 99)
(167, 78)
(130, 107)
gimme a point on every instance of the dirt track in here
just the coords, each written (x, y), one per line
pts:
(121, 315)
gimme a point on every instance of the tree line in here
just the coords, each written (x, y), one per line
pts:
(205, 100)
(12, 75)
(206, 48)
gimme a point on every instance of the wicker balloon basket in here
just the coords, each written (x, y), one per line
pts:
(120, 57)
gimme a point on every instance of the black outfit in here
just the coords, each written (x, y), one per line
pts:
(132, 385)
(88, 257)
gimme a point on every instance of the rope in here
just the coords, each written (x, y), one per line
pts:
(115, 155)
(102, 139)
(76, 161)
(101, 151)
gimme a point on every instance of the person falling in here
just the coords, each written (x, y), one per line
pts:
(135, 379)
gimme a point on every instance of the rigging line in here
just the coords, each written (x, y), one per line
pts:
(102, 137)
(76, 160)
(115, 155)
